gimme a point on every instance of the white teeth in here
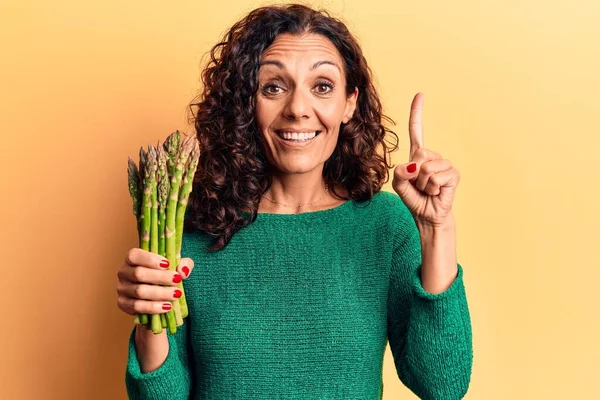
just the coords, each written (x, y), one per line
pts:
(297, 136)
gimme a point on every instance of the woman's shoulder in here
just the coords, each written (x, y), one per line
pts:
(392, 208)
(390, 202)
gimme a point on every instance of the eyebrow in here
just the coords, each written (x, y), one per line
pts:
(315, 65)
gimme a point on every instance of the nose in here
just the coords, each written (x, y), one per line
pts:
(298, 105)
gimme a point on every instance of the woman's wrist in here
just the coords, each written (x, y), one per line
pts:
(151, 349)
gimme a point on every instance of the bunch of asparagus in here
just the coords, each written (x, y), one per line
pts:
(160, 189)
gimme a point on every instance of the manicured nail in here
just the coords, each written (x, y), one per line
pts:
(166, 306)
(177, 278)
(412, 167)
(164, 263)
(185, 270)
(177, 294)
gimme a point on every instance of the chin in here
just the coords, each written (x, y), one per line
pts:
(295, 169)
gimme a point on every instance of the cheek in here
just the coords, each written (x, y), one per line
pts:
(261, 113)
(330, 115)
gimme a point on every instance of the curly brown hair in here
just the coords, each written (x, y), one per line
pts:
(233, 173)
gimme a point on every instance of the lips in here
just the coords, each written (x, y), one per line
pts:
(280, 131)
(296, 144)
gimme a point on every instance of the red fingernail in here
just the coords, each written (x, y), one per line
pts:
(185, 270)
(164, 263)
(177, 294)
(177, 278)
(166, 306)
(412, 167)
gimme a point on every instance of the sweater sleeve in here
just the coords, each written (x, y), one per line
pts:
(429, 334)
(170, 381)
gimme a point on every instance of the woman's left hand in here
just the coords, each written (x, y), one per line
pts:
(429, 190)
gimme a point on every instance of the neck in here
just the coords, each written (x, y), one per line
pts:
(289, 191)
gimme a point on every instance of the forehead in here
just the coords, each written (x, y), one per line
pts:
(308, 46)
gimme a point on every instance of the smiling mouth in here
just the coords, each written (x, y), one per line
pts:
(296, 138)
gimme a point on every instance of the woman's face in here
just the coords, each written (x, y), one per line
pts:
(301, 89)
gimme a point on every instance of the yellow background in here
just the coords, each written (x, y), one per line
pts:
(511, 98)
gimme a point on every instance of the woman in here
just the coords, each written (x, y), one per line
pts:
(305, 267)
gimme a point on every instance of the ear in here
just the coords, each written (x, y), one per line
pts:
(350, 106)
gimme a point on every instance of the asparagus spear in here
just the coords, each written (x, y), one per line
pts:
(144, 222)
(142, 164)
(133, 178)
(151, 172)
(171, 149)
(171, 146)
(163, 196)
(184, 194)
(142, 170)
(134, 186)
(170, 228)
(153, 162)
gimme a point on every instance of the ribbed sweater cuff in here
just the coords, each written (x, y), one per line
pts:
(169, 381)
(440, 340)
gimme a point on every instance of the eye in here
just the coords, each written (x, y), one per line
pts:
(324, 84)
(266, 88)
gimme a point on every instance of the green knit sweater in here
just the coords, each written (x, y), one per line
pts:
(301, 306)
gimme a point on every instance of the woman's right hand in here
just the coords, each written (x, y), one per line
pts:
(146, 285)
(140, 291)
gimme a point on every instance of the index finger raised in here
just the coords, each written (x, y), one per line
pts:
(415, 124)
(137, 256)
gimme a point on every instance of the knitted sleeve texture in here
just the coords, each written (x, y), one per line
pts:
(429, 334)
(172, 380)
